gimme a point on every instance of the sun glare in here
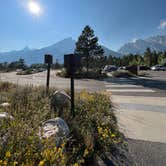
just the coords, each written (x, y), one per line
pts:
(34, 7)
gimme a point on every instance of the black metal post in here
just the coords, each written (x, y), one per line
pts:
(48, 78)
(72, 97)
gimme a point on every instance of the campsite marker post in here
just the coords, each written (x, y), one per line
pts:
(72, 62)
(48, 61)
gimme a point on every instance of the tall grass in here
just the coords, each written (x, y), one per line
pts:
(93, 131)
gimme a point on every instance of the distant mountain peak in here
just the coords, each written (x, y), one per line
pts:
(65, 46)
(66, 40)
(157, 43)
(26, 48)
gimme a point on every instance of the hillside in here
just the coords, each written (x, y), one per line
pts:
(157, 43)
(36, 55)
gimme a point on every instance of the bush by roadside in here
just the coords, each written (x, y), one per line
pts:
(93, 131)
(25, 72)
(83, 74)
(29, 71)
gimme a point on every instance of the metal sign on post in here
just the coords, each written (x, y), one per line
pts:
(72, 62)
(48, 60)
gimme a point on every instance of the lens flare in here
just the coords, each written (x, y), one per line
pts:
(34, 8)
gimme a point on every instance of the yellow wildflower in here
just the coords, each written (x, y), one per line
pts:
(76, 164)
(104, 135)
(41, 163)
(55, 149)
(63, 145)
(1, 161)
(7, 154)
(86, 152)
(5, 163)
(113, 135)
(100, 130)
(15, 163)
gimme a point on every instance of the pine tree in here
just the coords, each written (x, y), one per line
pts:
(154, 58)
(148, 57)
(89, 50)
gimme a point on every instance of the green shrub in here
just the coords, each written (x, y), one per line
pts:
(83, 74)
(93, 131)
(62, 73)
(26, 72)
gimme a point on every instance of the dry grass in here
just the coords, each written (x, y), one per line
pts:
(93, 131)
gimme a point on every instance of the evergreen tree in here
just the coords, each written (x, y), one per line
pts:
(154, 58)
(137, 60)
(161, 58)
(148, 57)
(21, 64)
(89, 50)
(110, 60)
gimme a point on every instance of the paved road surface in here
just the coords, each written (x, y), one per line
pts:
(141, 107)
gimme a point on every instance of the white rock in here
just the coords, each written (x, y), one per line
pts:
(56, 127)
(5, 105)
(5, 115)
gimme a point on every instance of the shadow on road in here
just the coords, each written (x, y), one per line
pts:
(148, 83)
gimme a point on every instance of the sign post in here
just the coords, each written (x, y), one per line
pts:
(71, 63)
(48, 61)
(72, 96)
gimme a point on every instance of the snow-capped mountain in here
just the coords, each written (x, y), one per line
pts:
(157, 43)
(58, 50)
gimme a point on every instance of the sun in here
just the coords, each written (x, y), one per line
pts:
(34, 7)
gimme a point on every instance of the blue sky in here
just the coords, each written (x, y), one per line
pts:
(115, 22)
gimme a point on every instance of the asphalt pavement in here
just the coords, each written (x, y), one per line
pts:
(141, 111)
(141, 105)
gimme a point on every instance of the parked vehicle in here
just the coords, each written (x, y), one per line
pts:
(163, 68)
(122, 68)
(110, 68)
(158, 68)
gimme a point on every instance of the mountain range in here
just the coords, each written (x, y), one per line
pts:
(58, 50)
(67, 46)
(155, 43)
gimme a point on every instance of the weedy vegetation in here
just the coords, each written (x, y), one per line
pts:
(93, 131)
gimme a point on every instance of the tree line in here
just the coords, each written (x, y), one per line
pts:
(20, 64)
(93, 59)
(149, 58)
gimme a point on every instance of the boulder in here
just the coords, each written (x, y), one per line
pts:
(56, 127)
(5, 105)
(59, 100)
